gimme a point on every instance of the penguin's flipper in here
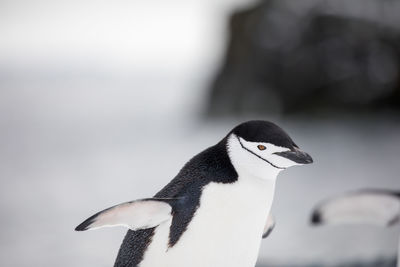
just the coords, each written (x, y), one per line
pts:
(135, 215)
(377, 207)
(269, 226)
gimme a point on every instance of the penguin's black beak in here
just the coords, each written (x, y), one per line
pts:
(296, 155)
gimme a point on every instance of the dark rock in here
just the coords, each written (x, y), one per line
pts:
(282, 60)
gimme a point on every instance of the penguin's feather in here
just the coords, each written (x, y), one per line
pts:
(378, 207)
(135, 215)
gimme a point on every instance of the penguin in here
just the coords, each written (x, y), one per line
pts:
(367, 206)
(215, 211)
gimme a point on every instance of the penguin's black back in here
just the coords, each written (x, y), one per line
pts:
(211, 165)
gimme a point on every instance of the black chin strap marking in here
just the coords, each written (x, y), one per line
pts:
(273, 165)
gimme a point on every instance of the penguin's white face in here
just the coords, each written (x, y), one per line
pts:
(263, 160)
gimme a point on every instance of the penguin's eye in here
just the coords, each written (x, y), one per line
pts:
(261, 147)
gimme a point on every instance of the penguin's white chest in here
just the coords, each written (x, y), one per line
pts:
(226, 229)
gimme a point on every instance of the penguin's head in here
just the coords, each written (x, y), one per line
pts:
(261, 149)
